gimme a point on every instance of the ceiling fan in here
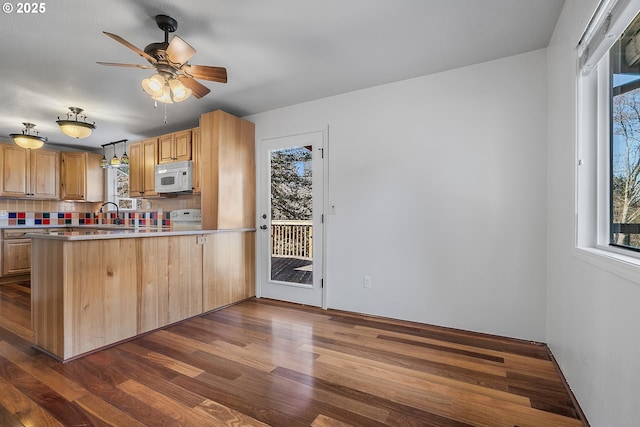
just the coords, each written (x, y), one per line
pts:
(175, 79)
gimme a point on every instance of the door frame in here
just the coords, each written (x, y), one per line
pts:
(260, 202)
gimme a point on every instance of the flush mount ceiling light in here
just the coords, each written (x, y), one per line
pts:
(26, 139)
(73, 127)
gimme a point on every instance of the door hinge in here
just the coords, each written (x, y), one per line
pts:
(321, 153)
(322, 283)
(322, 218)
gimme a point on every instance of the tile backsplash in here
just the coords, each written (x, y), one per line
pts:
(24, 212)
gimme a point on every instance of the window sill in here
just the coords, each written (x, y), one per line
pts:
(622, 265)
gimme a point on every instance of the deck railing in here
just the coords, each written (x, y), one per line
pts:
(292, 238)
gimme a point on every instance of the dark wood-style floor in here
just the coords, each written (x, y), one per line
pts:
(264, 362)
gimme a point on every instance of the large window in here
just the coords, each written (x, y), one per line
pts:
(624, 151)
(608, 146)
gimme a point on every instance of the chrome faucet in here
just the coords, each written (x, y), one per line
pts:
(117, 221)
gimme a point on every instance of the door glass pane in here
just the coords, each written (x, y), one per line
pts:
(291, 216)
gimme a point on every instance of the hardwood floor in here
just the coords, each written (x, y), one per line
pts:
(265, 362)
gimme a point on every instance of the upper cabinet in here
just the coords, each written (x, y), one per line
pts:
(81, 177)
(142, 163)
(174, 147)
(227, 171)
(29, 173)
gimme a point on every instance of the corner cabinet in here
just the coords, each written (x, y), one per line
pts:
(33, 174)
(142, 163)
(81, 177)
(227, 171)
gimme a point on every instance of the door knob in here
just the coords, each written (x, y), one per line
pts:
(263, 227)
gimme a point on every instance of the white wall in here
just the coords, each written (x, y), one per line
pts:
(439, 185)
(593, 316)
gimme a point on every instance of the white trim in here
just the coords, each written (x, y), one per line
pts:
(624, 266)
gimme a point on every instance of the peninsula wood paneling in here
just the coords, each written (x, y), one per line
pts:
(170, 280)
(228, 268)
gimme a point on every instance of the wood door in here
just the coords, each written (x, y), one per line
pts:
(165, 149)
(16, 256)
(182, 145)
(15, 171)
(136, 170)
(44, 182)
(73, 176)
(149, 154)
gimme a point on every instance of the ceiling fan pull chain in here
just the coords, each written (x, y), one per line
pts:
(165, 113)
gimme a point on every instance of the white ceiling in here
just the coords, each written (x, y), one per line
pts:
(277, 53)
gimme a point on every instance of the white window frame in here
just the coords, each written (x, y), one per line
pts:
(592, 172)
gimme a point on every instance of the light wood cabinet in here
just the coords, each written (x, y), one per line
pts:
(29, 173)
(81, 177)
(227, 171)
(195, 157)
(174, 147)
(228, 269)
(142, 163)
(16, 252)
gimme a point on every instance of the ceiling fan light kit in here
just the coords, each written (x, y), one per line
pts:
(175, 79)
(73, 127)
(26, 139)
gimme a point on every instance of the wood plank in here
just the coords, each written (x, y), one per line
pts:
(265, 362)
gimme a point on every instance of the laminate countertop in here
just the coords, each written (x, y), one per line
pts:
(103, 233)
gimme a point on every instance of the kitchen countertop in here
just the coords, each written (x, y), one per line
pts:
(99, 232)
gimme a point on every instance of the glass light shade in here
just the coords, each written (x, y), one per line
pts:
(28, 141)
(103, 162)
(124, 160)
(154, 85)
(180, 92)
(76, 129)
(115, 161)
(165, 97)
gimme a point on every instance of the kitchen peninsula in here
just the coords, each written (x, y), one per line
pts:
(93, 288)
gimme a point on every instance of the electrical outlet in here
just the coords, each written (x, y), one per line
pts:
(367, 281)
(201, 240)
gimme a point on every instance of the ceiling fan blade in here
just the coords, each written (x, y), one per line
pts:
(197, 89)
(204, 72)
(140, 52)
(179, 51)
(117, 64)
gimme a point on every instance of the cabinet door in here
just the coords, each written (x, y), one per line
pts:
(15, 168)
(174, 147)
(16, 256)
(195, 157)
(136, 170)
(182, 145)
(44, 182)
(165, 149)
(149, 153)
(73, 176)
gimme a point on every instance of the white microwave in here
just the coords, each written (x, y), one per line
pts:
(174, 177)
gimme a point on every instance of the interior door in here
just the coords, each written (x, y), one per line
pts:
(290, 234)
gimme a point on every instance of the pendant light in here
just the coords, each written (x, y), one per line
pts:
(103, 162)
(124, 160)
(115, 161)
